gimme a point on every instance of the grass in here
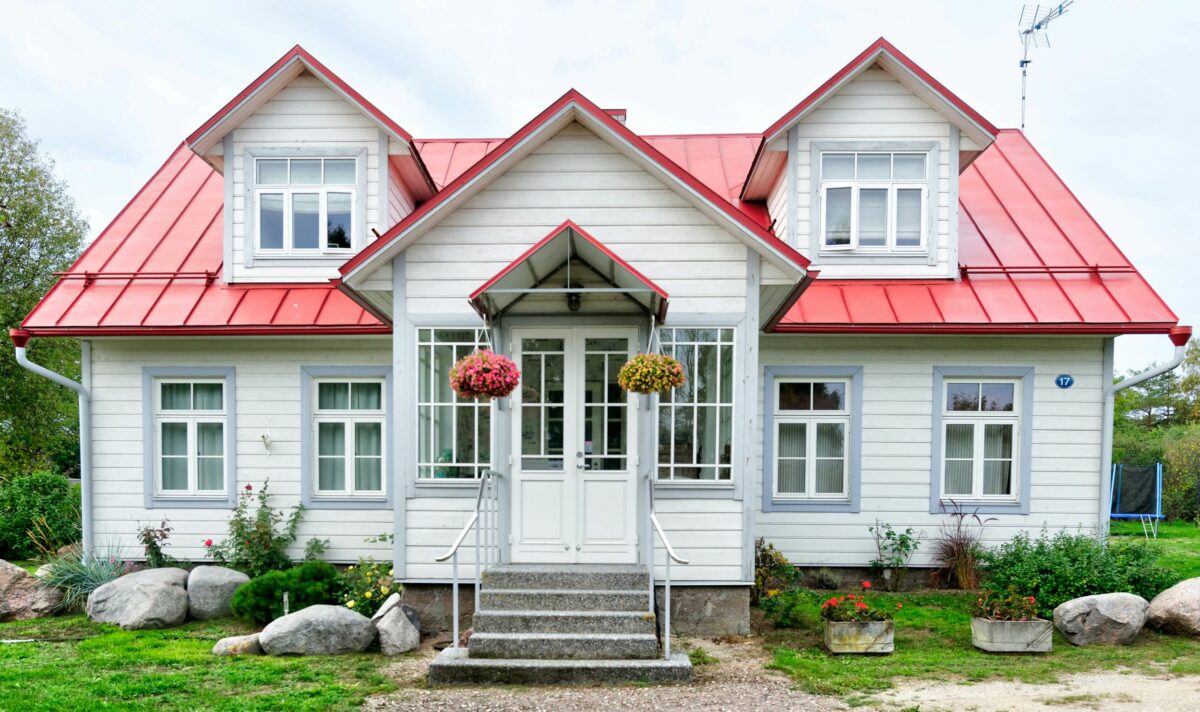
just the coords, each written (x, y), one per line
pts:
(933, 642)
(91, 666)
(1178, 543)
(699, 656)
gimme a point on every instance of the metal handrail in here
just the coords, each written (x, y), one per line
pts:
(671, 556)
(487, 510)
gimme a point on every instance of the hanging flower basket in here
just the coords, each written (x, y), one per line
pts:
(484, 374)
(651, 373)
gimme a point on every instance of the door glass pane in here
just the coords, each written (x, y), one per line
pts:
(962, 396)
(909, 166)
(340, 171)
(272, 171)
(594, 381)
(333, 396)
(306, 171)
(208, 396)
(829, 396)
(554, 430)
(792, 439)
(531, 431)
(592, 345)
(837, 166)
(872, 217)
(791, 476)
(176, 396)
(997, 396)
(908, 217)
(874, 166)
(837, 216)
(270, 221)
(306, 221)
(795, 395)
(338, 221)
(366, 396)
(554, 378)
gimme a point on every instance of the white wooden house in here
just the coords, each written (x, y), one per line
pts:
(883, 303)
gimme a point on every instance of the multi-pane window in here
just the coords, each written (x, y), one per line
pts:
(190, 429)
(695, 421)
(981, 423)
(873, 202)
(454, 434)
(811, 421)
(349, 425)
(305, 205)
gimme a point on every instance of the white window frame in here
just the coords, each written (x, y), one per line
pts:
(428, 406)
(666, 408)
(979, 419)
(349, 418)
(811, 419)
(892, 186)
(287, 190)
(191, 418)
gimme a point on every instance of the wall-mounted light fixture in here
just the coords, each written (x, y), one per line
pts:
(574, 299)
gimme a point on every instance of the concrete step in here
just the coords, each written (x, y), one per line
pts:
(564, 622)
(562, 600)
(579, 577)
(564, 646)
(457, 666)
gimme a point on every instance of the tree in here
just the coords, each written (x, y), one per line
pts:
(1153, 403)
(41, 232)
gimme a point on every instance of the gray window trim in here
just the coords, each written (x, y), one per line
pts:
(310, 501)
(151, 498)
(1023, 459)
(249, 238)
(931, 208)
(854, 450)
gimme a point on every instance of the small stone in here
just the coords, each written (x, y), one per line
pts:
(388, 604)
(238, 645)
(397, 634)
(1108, 618)
(1177, 610)
(210, 591)
(318, 630)
(23, 597)
(153, 598)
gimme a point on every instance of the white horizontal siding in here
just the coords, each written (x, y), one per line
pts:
(896, 455)
(706, 532)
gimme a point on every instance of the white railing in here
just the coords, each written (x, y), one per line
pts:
(671, 556)
(485, 520)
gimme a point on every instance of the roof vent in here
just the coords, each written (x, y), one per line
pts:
(618, 114)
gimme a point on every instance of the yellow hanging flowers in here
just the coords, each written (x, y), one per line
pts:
(651, 373)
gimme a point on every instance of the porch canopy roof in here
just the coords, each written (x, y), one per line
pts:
(566, 245)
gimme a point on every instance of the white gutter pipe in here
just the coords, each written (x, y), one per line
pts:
(20, 339)
(1179, 336)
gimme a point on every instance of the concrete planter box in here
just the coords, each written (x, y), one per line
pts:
(1034, 636)
(860, 637)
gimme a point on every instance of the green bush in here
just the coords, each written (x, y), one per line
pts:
(261, 600)
(29, 497)
(1066, 566)
(794, 608)
(1181, 471)
(258, 541)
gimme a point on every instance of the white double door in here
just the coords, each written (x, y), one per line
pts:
(574, 445)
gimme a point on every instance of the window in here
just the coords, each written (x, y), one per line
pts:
(349, 429)
(454, 434)
(811, 421)
(874, 201)
(981, 423)
(695, 421)
(190, 442)
(305, 205)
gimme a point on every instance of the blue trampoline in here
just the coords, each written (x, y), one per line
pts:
(1135, 492)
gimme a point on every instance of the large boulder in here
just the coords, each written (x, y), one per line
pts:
(318, 630)
(1107, 618)
(1177, 610)
(210, 590)
(153, 598)
(399, 630)
(23, 597)
(238, 645)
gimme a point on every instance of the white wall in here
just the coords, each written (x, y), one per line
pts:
(896, 456)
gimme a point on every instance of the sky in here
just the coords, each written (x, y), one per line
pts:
(111, 88)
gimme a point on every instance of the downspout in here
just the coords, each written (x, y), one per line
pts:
(1179, 336)
(20, 339)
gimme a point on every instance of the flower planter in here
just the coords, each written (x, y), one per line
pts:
(860, 637)
(1035, 636)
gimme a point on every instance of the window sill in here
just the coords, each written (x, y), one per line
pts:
(852, 257)
(694, 489)
(348, 502)
(811, 505)
(445, 487)
(983, 506)
(185, 501)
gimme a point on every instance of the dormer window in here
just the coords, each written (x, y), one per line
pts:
(305, 206)
(874, 201)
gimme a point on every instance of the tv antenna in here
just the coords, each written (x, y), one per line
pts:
(1032, 30)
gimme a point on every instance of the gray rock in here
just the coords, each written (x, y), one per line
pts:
(1108, 618)
(318, 630)
(238, 645)
(1177, 610)
(393, 601)
(153, 598)
(397, 634)
(210, 590)
(23, 597)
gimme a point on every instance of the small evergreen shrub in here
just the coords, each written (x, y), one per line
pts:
(32, 497)
(261, 600)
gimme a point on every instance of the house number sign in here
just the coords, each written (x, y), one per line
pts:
(1064, 381)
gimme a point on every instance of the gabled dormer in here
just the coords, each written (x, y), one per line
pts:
(312, 173)
(862, 176)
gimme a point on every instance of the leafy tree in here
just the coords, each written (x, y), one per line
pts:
(41, 232)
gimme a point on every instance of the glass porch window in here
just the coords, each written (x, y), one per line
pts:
(695, 421)
(454, 435)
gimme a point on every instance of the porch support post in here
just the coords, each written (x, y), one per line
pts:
(404, 398)
(747, 414)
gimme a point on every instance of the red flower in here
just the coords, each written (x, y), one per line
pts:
(208, 542)
(866, 584)
(899, 605)
(851, 597)
(861, 606)
(249, 488)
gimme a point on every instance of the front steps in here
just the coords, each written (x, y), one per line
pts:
(562, 624)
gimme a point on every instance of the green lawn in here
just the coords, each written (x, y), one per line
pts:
(933, 642)
(1179, 543)
(92, 666)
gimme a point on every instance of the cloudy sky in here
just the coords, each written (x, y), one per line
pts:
(111, 88)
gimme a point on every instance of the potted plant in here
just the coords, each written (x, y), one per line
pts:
(651, 373)
(1008, 623)
(484, 374)
(854, 625)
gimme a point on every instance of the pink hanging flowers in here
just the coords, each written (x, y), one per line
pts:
(651, 373)
(484, 374)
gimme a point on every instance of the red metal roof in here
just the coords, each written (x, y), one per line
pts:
(156, 269)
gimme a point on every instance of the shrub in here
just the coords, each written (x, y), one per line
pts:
(309, 584)
(957, 550)
(78, 575)
(152, 539)
(895, 551)
(772, 570)
(796, 608)
(1066, 566)
(1181, 471)
(26, 498)
(258, 542)
(825, 578)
